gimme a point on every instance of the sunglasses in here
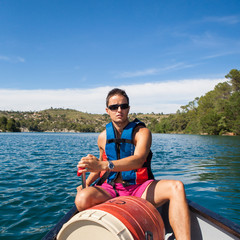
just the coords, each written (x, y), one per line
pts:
(116, 106)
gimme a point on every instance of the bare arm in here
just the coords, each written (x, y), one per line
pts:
(93, 176)
(142, 140)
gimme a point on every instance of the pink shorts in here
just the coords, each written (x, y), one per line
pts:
(132, 190)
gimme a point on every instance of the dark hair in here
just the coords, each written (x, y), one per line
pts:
(116, 91)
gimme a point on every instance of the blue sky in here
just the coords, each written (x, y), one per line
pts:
(70, 51)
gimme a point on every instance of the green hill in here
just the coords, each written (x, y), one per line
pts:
(61, 120)
(215, 113)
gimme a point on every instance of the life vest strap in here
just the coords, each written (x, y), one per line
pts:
(119, 140)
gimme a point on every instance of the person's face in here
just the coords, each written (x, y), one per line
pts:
(118, 114)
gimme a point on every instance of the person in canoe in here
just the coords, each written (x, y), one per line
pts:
(124, 167)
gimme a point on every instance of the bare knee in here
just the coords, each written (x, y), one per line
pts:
(83, 201)
(89, 197)
(177, 188)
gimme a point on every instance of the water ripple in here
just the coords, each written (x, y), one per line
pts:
(38, 175)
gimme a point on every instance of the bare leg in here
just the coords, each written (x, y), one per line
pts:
(90, 197)
(159, 192)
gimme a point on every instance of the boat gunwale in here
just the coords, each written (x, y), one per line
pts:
(53, 232)
(216, 219)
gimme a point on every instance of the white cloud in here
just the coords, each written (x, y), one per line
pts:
(4, 58)
(166, 97)
(218, 55)
(223, 19)
(152, 71)
(140, 73)
(12, 59)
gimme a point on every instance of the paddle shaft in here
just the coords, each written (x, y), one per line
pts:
(83, 177)
(83, 180)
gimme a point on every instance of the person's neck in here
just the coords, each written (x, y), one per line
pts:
(120, 126)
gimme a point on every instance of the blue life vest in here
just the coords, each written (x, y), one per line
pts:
(118, 148)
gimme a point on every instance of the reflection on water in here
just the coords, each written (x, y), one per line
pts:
(38, 175)
(209, 166)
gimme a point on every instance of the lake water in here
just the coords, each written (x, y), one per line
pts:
(38, 175)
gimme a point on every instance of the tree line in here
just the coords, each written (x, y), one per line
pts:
(215, 113)
(51, 120)
(9, 125)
